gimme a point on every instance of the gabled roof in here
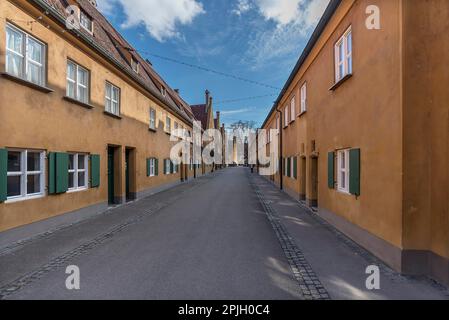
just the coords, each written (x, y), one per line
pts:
(109, 41)
(200, 114)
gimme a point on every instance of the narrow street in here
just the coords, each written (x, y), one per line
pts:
(211, 238)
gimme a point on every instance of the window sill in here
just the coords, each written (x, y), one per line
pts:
(20, 199)
(152, 130)
(167, 133)
(340, 82)
(80, 103)
(109, 114)
(343, 192)
(302, 114)
(77, 190)
(26, 83)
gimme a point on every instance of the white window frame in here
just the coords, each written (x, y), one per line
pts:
(163, 91)
(88, 18)
(285, 167)
(76, 82)
(304, 98)
(293, 109)
(167, 166)
(24, 173)
(152, 167)
(343, 170)
(278, 124)
(168, 124)
(26, 60)
(175, 168)
(111, 100)
(292, 171)
(153, 118)
(135, 64)
(346, 60)
(75, 171)
(286, 117)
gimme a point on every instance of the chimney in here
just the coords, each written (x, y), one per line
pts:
(177, 91)
(218, 118)
(207, 97)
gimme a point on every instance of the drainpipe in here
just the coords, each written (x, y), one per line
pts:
(281, 177)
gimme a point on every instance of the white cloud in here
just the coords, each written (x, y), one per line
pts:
(281, 11)
(160, 18)
(242, 7)
(237, 111)
(294, 19)
(105, 6)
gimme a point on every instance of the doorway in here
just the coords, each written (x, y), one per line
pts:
(130, 175)
(303, 179)
(111, 180)
(314, 183)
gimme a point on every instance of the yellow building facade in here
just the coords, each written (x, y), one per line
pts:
(86, 120)
(364, 130)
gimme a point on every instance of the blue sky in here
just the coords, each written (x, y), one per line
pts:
(259, 40)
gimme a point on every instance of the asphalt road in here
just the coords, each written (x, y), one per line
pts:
(209, 240)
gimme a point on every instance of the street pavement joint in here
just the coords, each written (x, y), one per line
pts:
(310, 285)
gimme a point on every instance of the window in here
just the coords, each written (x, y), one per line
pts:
(175, 168)
(152, 167)
(25, 56)
(163, 91)
(278, 124)
(86, 22)
(112, 99)
(286, 167)
(77, 82)
(343, 171)
(25, 174)
(167, 166)
(152, 119)
(135, 65)
(304, 98)
(343, 56)
(78, 175)
(293, 167)
(292, 109)
(168, 125)
(286, 117)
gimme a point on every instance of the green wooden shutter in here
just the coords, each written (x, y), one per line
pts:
(156, 167)
(51, 173)
(165, 166)
(148, 167)
(331, 170)
(295, 167)
(3, 174)
(354, 172)
(62, 172)
(289, 167)
(94, 171)
(172, 167)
